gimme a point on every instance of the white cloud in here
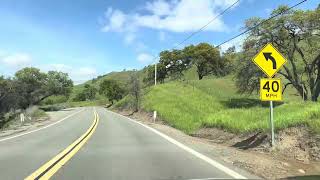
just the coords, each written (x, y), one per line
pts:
(85, 72)
(117, 19)
(159, 7)
(144, 58)
(173, 16)
(16, 61)
(59, 67)
(187, 15)
(77, 74)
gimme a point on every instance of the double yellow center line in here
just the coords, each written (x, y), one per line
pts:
(51, 167)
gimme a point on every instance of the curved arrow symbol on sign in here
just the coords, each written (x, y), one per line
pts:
(268, 56)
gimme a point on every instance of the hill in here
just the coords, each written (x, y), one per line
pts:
(190, 104)
(214, 102)
(121, 77)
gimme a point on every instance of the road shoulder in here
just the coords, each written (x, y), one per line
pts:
(195, 144)
(248, 162)
(34, 125)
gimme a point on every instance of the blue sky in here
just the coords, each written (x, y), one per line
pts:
(87, 38)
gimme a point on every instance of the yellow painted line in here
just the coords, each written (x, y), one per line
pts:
(51, 167)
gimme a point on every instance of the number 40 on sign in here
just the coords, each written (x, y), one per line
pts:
(270, 90)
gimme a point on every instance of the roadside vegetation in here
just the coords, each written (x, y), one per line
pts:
(28, 88)
(213, 103)
(199, 85)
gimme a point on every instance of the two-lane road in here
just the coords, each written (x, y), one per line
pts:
(108, 146)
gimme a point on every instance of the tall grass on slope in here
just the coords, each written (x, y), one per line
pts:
(241, 120)
(188, 108)
(181, 105)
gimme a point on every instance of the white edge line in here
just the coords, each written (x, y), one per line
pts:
(191, 151)
(208, 178)
(29, 132)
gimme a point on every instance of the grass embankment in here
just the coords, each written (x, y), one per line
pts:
(194, 104)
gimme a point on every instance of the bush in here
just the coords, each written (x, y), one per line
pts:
(55, 107)
(125, 103)
(54, 100)
(81, 96)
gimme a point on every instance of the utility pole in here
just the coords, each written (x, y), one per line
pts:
(155, 74)
(155, 83)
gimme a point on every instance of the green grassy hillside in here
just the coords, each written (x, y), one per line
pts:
(193, 104)
(121, 77)
(214, 102)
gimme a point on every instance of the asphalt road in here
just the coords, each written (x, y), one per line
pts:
(118, 149)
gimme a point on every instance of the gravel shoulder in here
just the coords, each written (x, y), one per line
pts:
(29, 125)
(268, 164)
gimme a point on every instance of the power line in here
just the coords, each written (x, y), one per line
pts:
(242, 33)
(250, 29)
(203, 27)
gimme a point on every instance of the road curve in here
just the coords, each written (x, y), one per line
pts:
(20, 156)
(119, 148)
(122, 149)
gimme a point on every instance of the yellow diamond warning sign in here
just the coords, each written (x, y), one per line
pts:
(270, 90)
(269, 60)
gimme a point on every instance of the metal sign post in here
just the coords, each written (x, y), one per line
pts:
(271, 90)
(270, 60)
(271, 124)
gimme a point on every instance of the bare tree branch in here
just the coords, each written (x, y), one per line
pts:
(285, 86)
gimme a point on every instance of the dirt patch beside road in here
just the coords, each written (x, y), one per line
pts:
(16, 127)
(296, 154)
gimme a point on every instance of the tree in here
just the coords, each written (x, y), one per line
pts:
(32, 85)
(111, 89)
(173, 63)
(29, 87)
(12, 95)
(296, 35)
(135, 90)
(206, 58)
(4, 89)
(87, 93)
(81, 96)
(57, 83)
(35, 86)
(5, 92)
(230, 58)
(90, 91)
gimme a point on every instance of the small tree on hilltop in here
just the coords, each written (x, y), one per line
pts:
(112, 90)
(135, 91)
(206, 58)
